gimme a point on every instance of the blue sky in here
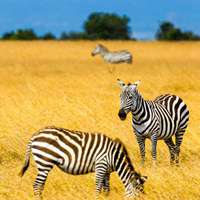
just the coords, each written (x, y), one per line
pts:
(68, 15)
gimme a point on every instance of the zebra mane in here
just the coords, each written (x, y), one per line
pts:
(104, 48)
(118, 141)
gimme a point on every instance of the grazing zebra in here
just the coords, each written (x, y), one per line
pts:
(112, 57)
(78, 152)
(159, 119)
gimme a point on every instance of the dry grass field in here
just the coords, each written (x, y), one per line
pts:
(59, 83)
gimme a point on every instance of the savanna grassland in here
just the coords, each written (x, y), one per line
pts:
(59, 83)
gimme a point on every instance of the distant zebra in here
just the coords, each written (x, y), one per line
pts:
(112, 57)
(78, 152)
(161, 118)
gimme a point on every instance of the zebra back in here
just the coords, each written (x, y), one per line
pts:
(176, 108)
(73, 151)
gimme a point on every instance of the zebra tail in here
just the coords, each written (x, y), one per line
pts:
(27, 159)
(130, 60)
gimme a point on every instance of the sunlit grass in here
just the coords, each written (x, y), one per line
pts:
(59, 83)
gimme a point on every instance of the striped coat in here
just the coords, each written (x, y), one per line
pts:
(160, 119)
(76, 152)
(112, 57)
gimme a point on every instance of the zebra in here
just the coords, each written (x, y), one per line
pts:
(76, 153)
(160, 119)
(112, 57)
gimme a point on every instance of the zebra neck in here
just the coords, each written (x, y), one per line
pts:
(104, 52)
(138, 114)
(125, 173)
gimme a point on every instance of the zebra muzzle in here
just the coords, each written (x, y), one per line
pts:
(122, 114)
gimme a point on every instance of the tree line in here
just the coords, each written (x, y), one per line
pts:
(105, 26)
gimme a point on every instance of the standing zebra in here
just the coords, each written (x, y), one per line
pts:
(112, 57)
(161, 118)
(76, 153)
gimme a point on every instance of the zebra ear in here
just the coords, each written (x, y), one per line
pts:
(133, 86)
(137, 83)
(99, 45)
(121, 83)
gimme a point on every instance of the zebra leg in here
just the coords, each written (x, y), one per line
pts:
(179, 139)
(101, 171)
(106, 183)
(171, 147)
(141, 142)
(40, 180)
(154, 145)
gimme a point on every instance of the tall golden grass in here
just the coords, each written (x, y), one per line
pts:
(59, 83)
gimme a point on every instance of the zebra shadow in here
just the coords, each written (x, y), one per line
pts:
(111, 69)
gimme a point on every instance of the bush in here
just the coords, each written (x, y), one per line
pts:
(48, 36)
(20, 34)
(73, 36)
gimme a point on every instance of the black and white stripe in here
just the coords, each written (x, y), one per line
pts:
(112, 57)
(78, 152)
(159, 119)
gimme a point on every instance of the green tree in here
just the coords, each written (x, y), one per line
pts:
(167, 31)
(64, 36)
(73, 36)
(24, 34)
(48, 36)
(20, 34)
(107, 26)
(8, 35)
(188, 35)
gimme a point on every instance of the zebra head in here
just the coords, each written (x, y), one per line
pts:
(136, 185)
(99, 49)
(128, 98)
